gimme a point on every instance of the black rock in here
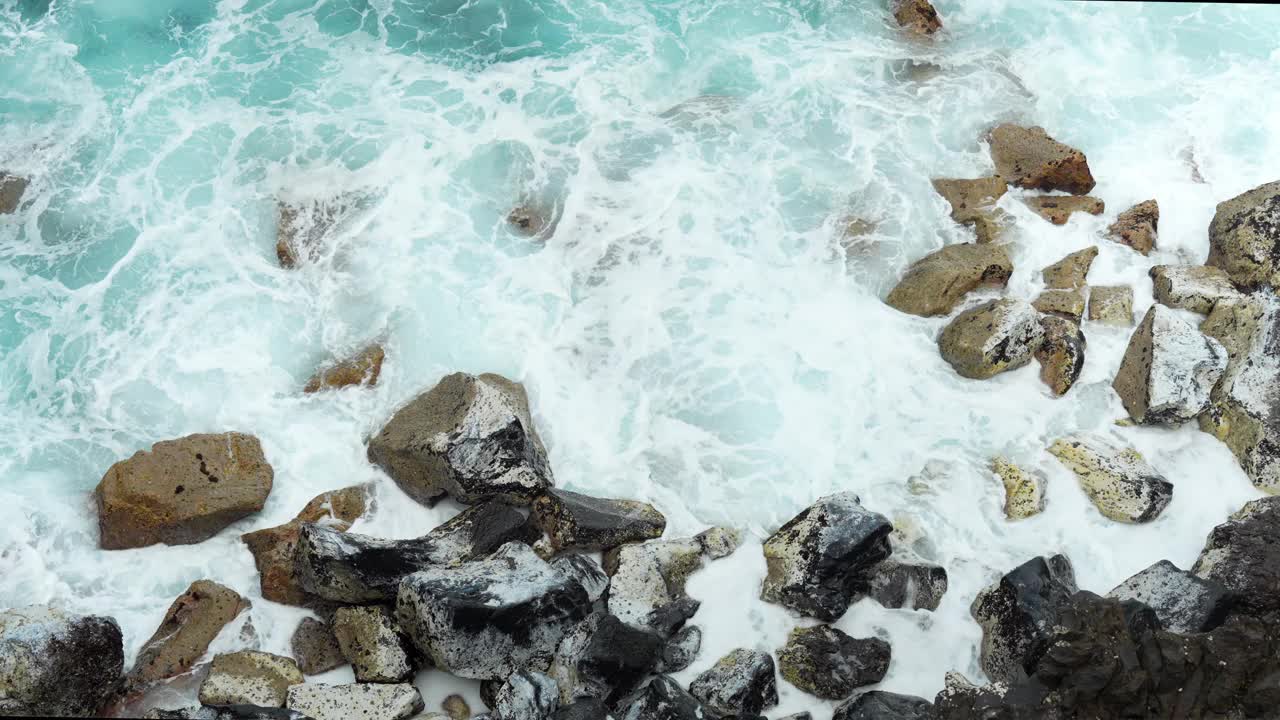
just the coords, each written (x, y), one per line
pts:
(740, 683)
(881, 705)
(1017, 613)
(58, 664)
(910, 585)
(827, 663)
(1241, 555)
(576, 521)
(668, 619)
(619, 657)
(590, 709)
(1184, 603)
(586, 571)
(527, 696)
(681, 649)
(661, 699)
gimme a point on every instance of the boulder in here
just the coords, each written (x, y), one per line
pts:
(619, 657)
(681, 650)
(1111, 305)
(646, 588)
(917, 16)
(527, 696)
(1136, 227)
(1070, 272)
(1183, 602)
(470, 437)
(372, 642)
(361, 701)
(1244, 236)
(1240, 555)
(489, 618)
(900, 583)
(825, 662)
(192, 622)
(818, 561)
(12, 188)
(58, 664)
(1191, 287)
(1017, 615)
(1057, 209)
(934, 284)
(249, 677)
(1065, 303)
(581, 522)
(1168, 370)
(1119, 481)
(1023, 491)
(993, 337)
(661, 699)
(363, 368)
(275, 549)
(881, 705)
(1029, 158)
(973, 202)
(315, 648)
(183, 491)
(740, 684)
(1061, 353)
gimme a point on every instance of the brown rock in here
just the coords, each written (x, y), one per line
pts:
(1057, 209)
(1061, 355)
(1071, 271)
(973, 203)
(935, 283)
(315, 648)
(1029, 158)
(1067, 303)
(1197, 288)
(361, 369)
(11, 189)
(274, 548)
(192, 622)
(1244, 237)
(1136, 227)
(183, 491)
(918, 16)
(1111, 305)
(249, 677)
(455, 706)
(991, 338)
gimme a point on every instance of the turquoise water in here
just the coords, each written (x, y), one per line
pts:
(695, 332)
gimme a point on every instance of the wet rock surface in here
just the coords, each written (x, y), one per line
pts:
(250, 678)
(917, 16)
(192, 622)
(1244, 237)
(372, 642)
(991, 338)
(362, 368)
(1240, 555)
(934, 284)
(1061, 353)
(825, 662)
(527, 696)
(1197, 288)
(1136, 227)
(619, 657)
(1118, 480)
(661, 699)
(1168, 370)
(1023, 491)
(740, 684)
(1111, 305)
(881, 705)
(681, 650)
(12, 188)
(1072, 271)
(1058, 209)
(58, 664)
(1029, 158)
(973, 202)
(315, 648)
(573, 520)
(1183, 602)
(900, 582)
(360, 701)
(1017, 614)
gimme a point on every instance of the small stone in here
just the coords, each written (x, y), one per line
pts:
(1061, 354)
(1244, 235)
(1240, 555)
(533, 220)
(1184, 603)
(192, 622)
(250, 678)
(1168, 370)
(1023, 491)
(586, 709)
(372, 643)
(360, 701)
(681, 650)
(12, 188)
(1122, 485)
(315, 648)
(827, 663)
(1057, 209)
(917, 16)
(56, 664)
(991, 338)
(1071, 271)
(1111, 305)
(741, 684)
(456, 707)
(934, 284)
(581, 522)
(1029, 158)
(363, 368)
(973, 202)
(1017, 615)
(1062, 302)
(881, 705)
(1197, 288)
(1136, 227)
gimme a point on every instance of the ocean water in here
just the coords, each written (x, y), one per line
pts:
(696, 332)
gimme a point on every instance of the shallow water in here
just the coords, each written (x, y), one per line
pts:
(694, 332)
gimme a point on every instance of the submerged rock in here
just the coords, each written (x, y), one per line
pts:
(991, 338)
(315, 648)
(1029, 158)
(301, 227)
(1062, 302)
(1168, 370)
(918, 16)
(1111, 305)
(1023, 491)
(935, 283)
(182, 491)
(897, 583)
(973, 202)
(226, 712)
(361, 701)
(1183, 602)
(1061, 353)
(12, 188)
(740, 684)
(1017, 615)
(533, 219)
(527, 696)
(470, 437)
(1244, 236)
(1136, 227)
(1057, 209)
(58, 664)
(881, 705)
(827, 663)
(581, 522)
(250, 678)
(661, 699)
(817, 562)
(1240, 555)
(192, 622)
(1197, 288)
(1071, 271)
(372, 642)
(363, 368)
(1119, 481)
(647, 583)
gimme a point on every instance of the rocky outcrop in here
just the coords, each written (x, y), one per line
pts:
(1136, 227)
(1023, 491)
(315, 648)
(825, 662)
(740, 684)
(1119, 481)
(647, 583)
(192, 622)
(973, 202)
(527, 695)
(917, 16)
(275, 549)
(1183, 602)
(183, 491)
(12, 188)
(534, 220)
(1240, 555)
(818, 561)
(372, 642)
(934, 284)
(1111, 305)
(1071, 271)
(661, 699)
(361, 701)
(902, 583)
(991, 338)
(580, 522)
(1017, 615)
(1029, 158)
(1197, 288)
(1244, 237)
(1057, 209)
(1061, 353)
(363, 368)
(57, 664)
(471, 437)
(250, 678)
(1168, 370)
(1065, 303)
(881, 705)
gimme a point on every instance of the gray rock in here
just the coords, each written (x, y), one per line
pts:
(581, 522)
(373, 644)
(991, 338)
(1191, 287)
(661, 699)
(527, 696)
(1017, 615)
(315, 648)
(827, 663)
(361, 701)
(471, 437)
(55, 663)
(589, 709)
(934, 284)
(586, 571)
(1183, 602)
(817, 562)
(1240, 555)
(902, 583)
(1244, 236)
(1168, 370)
(228, 712)
(881, 705)
(648, 581)
(249, 677)
(740, 684)
(681, 650)
(1119, 482)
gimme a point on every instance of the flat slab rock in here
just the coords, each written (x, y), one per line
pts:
(1111, 305)
(1029, 158)
(192, 622)
(1244, 235)
(360, 701)
(1240, 555)
(740, 684)
(1017, 615)
(581, 522)
(825, 662)
(249, 677)
(1184, 602)
(934, 284)
(989, 339)
(1197, 288)
(1169, 369)
(57, 664)
(1118, 480)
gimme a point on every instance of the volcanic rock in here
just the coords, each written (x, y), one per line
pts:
(740, 684)
(1017, 615)
(1061, 353)
(1184, 603)
(1023, 491)
(1065, 303)
(1071, 271)
(881, 705)
(1240, 555)
(1244, 237)
(581, 522)
(373, 644)
(249, 677)
(661, 699)
(363, 368)
(1136, 227)
(360, 701)
(11, 189)
(1197, 288)
(918, 16)
(1057, 209)
(527, 695)
(315, 648)
(1111, 305)
(192, 622)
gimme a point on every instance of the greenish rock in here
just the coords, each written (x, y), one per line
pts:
(1023, 491)
(372, 642)
(1118, 480)
(826, 663)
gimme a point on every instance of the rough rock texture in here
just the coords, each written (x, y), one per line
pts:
(881, 705)
(1057, 209)
(817, 562)
(973, 202)
(192, 622)
(825, 662)
(1240, 555)
(1062, 302)
(1029, 158)
(1017, 614)
(1136, 227)
(527, 696)
(183, 491)
(648, 580)
(661, 699)
(249, 677)
(372, 643)
(363, 368)
(991, 338)
(1023, 491)
(901, 583)
(1111, 305)
(54, 663)
(1168, 369)
(918, 16)
(1244, 237)
(1061, 353)
(489, 618)
(315, 648)
(935, 283)
(681, 650)
(619, 656)
(275, 549)
(740, 684)
(11, 189)
(1071, 271)
(572, 520)
(361, 701)
(471, 437)
(719, 542)
(1122, 485)
(1191, 287)
(1183, 602)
